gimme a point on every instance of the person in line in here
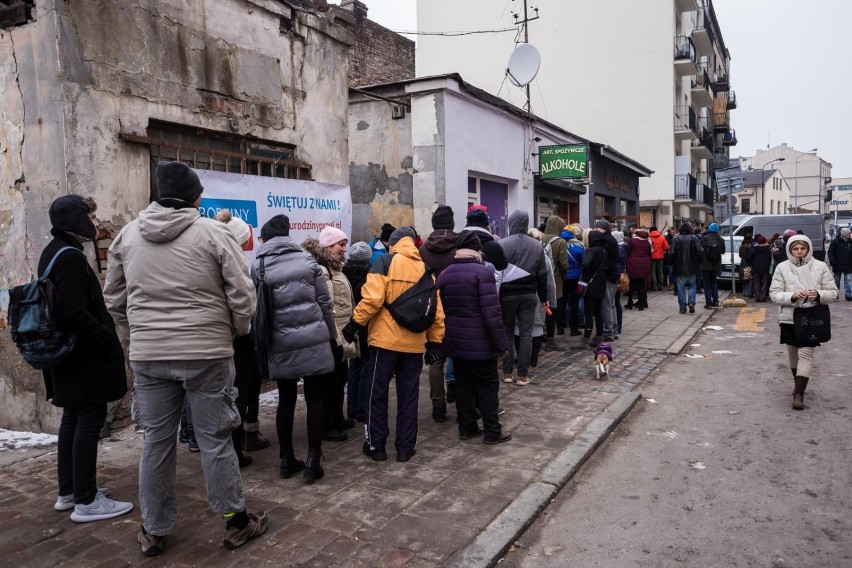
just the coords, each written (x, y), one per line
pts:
(699, 277)
(639, 251)
(745, 267)
(659, 245)
(437, 253)
(379, 243)
(760, 260)
(667, 261)
(243, 347)
(179, 282)
(594, 273)
(492, 252)
(575, 252)
(475, 338)
(357, 395)
(800, 281)
(609, 313)
(686, 259)
(540, 322)
(394, 350)
(329, 252)
(523, 286)
(93, 374)
(556, 246)
(710, 267)
(840, 258)
(301, 340)
(622, 266)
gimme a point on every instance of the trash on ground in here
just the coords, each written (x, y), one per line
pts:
(721, 352)
(714, 327)
(671, 435)
(697, 465)
(693, 356)
(695, 345)
(651, 400)
(732, 412)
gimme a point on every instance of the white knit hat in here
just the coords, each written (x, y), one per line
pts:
(331, 235)
(237, 226)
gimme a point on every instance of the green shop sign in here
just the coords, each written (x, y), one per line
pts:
(560, 162)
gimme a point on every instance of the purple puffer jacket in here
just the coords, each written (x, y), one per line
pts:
(639, 255)
(473, 320)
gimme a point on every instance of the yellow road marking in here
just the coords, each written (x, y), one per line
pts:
(749, 318)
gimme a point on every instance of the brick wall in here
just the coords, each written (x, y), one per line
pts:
(379, 55)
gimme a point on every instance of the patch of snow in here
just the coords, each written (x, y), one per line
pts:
(671, 435)
(12, 440)
(697, 465)
(270, 398)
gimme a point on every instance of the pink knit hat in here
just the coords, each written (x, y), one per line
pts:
(331, 235)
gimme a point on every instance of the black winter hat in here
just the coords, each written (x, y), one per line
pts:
(442, 218)
(176, 180)
(468, 240)
(477, 218)
(685, 229)
(278, 226)
(387, 231)
(70, 213)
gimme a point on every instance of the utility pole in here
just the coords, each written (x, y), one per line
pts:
(525, 24)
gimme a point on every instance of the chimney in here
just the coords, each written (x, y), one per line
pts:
(358, 8)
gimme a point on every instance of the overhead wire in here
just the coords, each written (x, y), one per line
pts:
(455, 33)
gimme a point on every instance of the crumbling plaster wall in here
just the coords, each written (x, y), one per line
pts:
(381, 171)
(86, 72)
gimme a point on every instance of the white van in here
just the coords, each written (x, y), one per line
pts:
(731, 258)
(811, 224)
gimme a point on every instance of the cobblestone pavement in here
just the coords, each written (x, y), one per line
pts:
(362, 513)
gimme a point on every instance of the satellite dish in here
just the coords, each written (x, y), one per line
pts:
(523, 64)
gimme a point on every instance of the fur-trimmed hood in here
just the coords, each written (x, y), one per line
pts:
(322, 255)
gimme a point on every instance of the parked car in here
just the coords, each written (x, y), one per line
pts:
(730, 259)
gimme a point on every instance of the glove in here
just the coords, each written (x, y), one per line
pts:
(434, 354)
(336, 351)
(350, 330)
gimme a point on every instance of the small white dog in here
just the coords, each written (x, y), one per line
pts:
(603, 355)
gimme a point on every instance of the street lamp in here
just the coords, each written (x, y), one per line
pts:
(796, 189)
(763, 183)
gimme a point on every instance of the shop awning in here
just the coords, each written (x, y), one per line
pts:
(559, 185)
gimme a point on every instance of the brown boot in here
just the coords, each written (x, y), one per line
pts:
(254, 442)
(799, 393)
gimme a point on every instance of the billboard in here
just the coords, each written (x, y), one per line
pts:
(563, 162)
(309, 205)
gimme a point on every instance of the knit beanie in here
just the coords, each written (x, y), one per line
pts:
(176, 180)
(845, 231)
(442, 218)
(603, 224)
(477, 216)
(70, 213)
(237, 226)
(468, 240)
(761, 240)
(387, 230)
(713, 228)
(278, 226)
(331, 235)
(360, 253)
(401, 233)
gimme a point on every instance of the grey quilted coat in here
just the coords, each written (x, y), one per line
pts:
(302, 317)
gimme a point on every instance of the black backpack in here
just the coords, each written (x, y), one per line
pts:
(714, 251)
(415, 308)
(32, 319)
(261, 323)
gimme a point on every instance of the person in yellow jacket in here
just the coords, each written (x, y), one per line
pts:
(394, 350)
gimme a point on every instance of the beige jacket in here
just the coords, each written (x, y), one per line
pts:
(788, 280)
(180, 282)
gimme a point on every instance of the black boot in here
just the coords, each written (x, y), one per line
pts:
(451, 392)
(536, 349)
(799, 393)
(313, 469)
(289, 464)
(439, 413)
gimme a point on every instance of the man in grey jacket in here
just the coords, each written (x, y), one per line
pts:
(180, 282)
(523, 286)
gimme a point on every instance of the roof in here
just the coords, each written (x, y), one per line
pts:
(753, 177)
(605, 150)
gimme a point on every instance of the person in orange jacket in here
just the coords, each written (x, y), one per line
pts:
(659, 246)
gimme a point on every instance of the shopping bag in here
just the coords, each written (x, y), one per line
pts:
(812, 325)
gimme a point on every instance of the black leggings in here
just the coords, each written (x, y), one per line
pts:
(287, 394)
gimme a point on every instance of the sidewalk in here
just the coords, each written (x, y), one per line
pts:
(455, 503)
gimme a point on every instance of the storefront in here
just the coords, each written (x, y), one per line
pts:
(614, 191)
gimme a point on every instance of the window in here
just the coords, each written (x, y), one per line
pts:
(15, 12)
(771, 207)
(745, 206)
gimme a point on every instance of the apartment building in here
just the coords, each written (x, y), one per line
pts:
(652, 78)
(808, 175)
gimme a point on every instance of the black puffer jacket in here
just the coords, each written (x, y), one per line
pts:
(840, 255)
(94, 372)
(760, 258)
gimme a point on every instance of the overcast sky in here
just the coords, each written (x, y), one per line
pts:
(791, 68)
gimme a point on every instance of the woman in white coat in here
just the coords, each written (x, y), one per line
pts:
(801, 281)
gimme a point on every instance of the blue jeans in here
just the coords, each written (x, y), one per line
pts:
(847, 282)
(711, 287)
(682, 281)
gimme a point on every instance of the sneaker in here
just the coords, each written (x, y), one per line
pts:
(335, 436)
(183, 436)
(152, 545)
(439, 414)
(101, 508)
(257, 525)
(508, 378)
(66, 502)
(500, 411)
(522, 381)
(193, 445)
(503, 437)
(378, 454)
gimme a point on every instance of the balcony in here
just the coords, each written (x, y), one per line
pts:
(729, 137)
(705, 194)
(684, 123)
(685, 187)
(701, 96)
(702, 148)
(732, 100)
(685, 5)
(721, 84)
(684, 56)
(721, 121)
(721, 158)
(702, 34)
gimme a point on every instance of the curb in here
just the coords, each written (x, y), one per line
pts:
(490, 545)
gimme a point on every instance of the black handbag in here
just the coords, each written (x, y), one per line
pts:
(812, 325)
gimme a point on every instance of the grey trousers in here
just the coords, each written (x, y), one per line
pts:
(609, 315)
(520, 309)
(159, 390)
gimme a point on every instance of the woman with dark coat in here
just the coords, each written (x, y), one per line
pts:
(760, 260)
(594, 273)
(638, 268)
(357, 395)
(475, 339)
(93, 374)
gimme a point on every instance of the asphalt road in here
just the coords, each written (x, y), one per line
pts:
(719, 470)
